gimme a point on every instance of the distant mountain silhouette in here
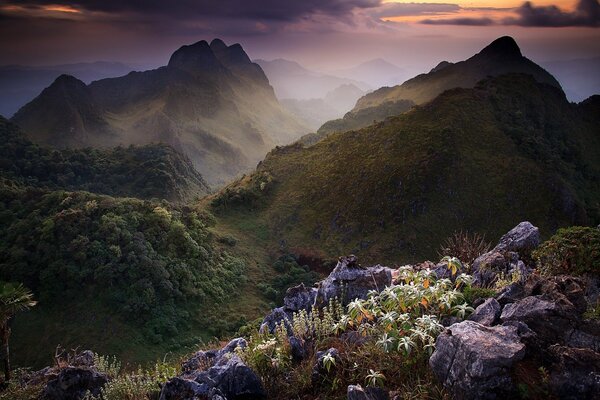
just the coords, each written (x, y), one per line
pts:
(210, 102)
(580, 78)
(292, 81)
(19, 84)
(502, 56)
(377, 73)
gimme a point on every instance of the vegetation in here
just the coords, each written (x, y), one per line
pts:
(13, 299)
(382, 341)
(397, 189)
(573, 251)
(147, 264)
(465, 246)
(151, 171)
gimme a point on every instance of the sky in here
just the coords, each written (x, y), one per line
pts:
(323, 34)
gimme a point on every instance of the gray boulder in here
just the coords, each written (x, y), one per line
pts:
(474, 361)
(277, 316)
(299, 298)
(521, 239)
(487, 266)
(357, 392)
(72, 383)
(319, 371)
(488, 313)
(349, 281)
(233, 378)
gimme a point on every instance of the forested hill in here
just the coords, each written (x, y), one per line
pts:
(150, 171)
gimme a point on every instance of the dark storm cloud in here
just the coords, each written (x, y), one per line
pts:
(459, 21)
(587, 13)
(282, 10)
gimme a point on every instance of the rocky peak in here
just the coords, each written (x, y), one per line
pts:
(504, 46)
(229, 55)
(195, 57)
(441, 66)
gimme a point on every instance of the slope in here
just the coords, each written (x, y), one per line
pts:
(510, 149)
(500, 57)
(210, 102)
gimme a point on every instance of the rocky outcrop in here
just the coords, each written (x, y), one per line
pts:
(347, 281)
(320, 369)
(215, 375)
(474, 361)
(522, 239)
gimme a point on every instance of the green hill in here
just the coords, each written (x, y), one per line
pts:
(480, 159)
(151, 171)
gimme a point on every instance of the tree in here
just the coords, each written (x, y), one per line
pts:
(13, 299)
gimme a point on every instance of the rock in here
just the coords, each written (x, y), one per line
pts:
(319, 371)
(232, 346)
(474, 361)
(205, 359)
(276, 316)
(298, 349)
(348, 282)
(72, 383)
(512, 293)
(233, 378)
(487, 266)
(449, 320)
(299, 298)
(575, 373)
(488, 313)
(357, 392)
(552, 322)
(184, 389)
(84, 359)
(522, 239)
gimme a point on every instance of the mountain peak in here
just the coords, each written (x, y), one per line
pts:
(229, 55)
(195, 56)
(70, 81)
(503, 46)
(217, 44)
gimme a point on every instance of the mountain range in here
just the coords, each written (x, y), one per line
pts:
(210, 102)
(509, 148)
(500, 57)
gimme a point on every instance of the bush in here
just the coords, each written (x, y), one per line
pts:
(574, 250)
(465, 246)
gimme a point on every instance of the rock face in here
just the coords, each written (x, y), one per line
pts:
(215, 374)
(474, 361)
(72, 383)
(522, 239)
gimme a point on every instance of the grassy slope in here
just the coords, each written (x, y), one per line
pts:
(480, 159)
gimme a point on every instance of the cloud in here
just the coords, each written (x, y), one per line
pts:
(459, 21)
(586, 13)
(278, 10)
(388, 10)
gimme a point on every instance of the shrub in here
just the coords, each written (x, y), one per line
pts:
(465, 246)
(574, 250)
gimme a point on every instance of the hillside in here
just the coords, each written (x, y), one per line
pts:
(500, 57)
(210, 102)
(477, 159)
(150, 171)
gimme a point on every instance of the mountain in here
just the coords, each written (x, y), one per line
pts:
(510, 148)
(292, 81)
(314, 112)
(502, 56)
(150, 171)
(19, 84)
(579, 78)
(210, 102)
(377, 73)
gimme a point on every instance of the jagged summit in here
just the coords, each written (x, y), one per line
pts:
(441, 66)
(229, 55)
(504, 46)
(194, 57)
